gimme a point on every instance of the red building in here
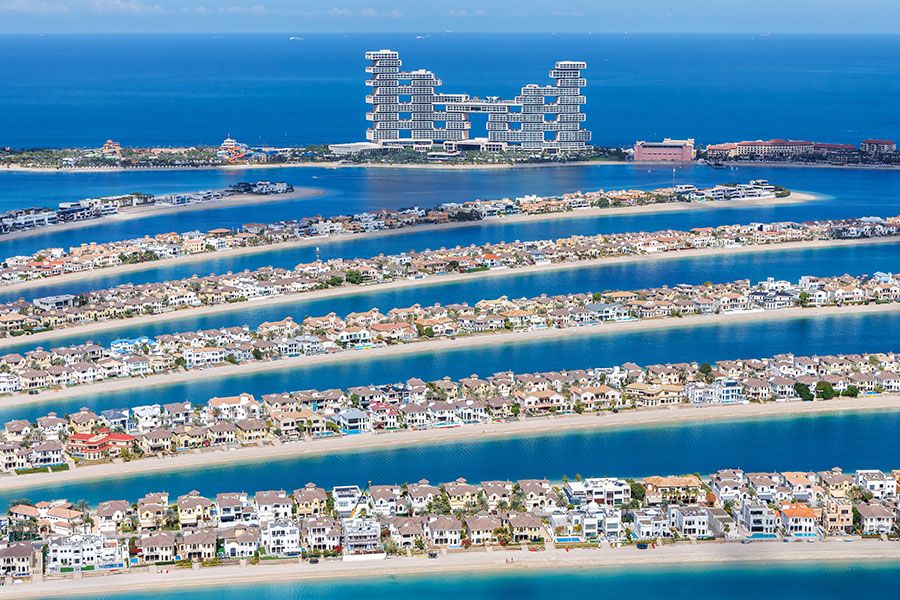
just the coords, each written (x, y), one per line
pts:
(668, 150)
(878, 146)
(96, 446)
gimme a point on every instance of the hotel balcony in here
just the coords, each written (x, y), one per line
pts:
(538, 90)
(570, 65)
(517, 118)
(382, 69)
(571, 100)
(572, 83)
(448, 98)
(381, 55)
(565, 73)
(416, 90)
(581, 135)
(381, 117)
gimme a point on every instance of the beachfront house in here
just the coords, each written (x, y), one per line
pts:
(875, 519)
(689, 521)
(281, 537)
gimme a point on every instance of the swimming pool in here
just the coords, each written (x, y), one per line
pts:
(762, 536)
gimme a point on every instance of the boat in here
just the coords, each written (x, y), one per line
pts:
(717, 165)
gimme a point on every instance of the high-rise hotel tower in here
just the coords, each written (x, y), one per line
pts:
(406, 110)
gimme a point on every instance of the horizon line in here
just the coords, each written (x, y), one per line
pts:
(448, 32)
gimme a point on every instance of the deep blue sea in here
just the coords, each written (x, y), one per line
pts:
(750, 582)
(64, 90)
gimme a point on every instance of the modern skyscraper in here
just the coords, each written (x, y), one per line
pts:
(407, 110)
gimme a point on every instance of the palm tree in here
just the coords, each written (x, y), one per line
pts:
(171, 517)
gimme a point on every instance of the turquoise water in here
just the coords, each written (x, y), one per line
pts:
(851, 441)
(809, 335)
(762, 581)
(789, 265)
(849, 194)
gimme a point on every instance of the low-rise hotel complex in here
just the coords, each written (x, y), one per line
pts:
(408, 111)
(668, 150)
(869, 151)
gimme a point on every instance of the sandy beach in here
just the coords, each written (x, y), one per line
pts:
(142, 212)
(344, 291)
(325, 164)
(441, 345)
(588, 213)
(471, 562)
(561, 425)
(761, 164)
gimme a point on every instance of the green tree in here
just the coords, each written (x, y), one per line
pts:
(425, 332)
(353, 276)
(825, 390)
(803, 391)
(638, 491)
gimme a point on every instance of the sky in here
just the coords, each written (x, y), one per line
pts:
(304, 16)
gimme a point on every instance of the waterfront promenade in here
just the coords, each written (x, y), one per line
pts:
(557, 560)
